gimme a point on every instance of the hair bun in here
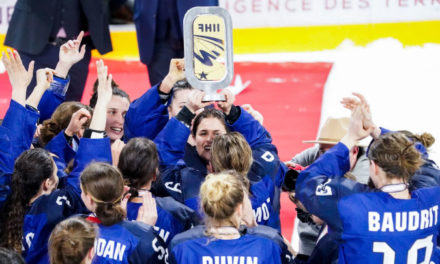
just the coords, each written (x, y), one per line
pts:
(426, 139)
(220, 194)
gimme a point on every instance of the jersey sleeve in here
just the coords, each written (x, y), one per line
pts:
(186, 216)
(277, 242)
(146, 116)
(150, 247)
(63, 151)
(53, 97)
(21, 122)
(171, 142)
(6, 164)
(89, 150)
(6, 157)
(428, 175)
(171, 178)
(322, 185)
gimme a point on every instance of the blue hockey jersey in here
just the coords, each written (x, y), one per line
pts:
(17, 130)
(373, 226)
(146, 116)
(128, 242)
(183, 183)
(53, 97)
(172, 217)
(48, 210)
(260, 245)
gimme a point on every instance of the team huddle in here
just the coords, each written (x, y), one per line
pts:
(169, 178)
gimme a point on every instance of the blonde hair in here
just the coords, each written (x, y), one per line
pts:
(71, 240)
(231, 152)
(396, 155)
(220, 194)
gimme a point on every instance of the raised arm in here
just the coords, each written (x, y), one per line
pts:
(172, 139)
(20, 119)
(148, 114)
(94, 146)
(70, 53)
(322, 184)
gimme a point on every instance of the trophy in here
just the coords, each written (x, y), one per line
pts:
(208, 50)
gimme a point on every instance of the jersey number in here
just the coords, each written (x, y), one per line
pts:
(162, 252)
(389, 255)
(174, 188)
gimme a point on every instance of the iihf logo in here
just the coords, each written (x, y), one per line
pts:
(212, 49)
(324, 189)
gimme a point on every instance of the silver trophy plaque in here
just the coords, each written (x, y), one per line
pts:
(208, 50)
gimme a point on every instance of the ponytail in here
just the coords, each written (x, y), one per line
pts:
(396, 155)
(31, 169)
(105, 185)
(71, 240)
(138, 163)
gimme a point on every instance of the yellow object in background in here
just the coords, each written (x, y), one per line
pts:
(295, 39)
(209, 42)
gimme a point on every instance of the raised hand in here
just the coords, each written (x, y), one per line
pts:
(44, 79)
(104, 97)
(254, 113)
(359, 100)
(356, 129)
(194, 102)
(104, 84)
(19, 77)
(176, 73)
(147, 212)
(77, 121)
(70, 53)
(226, 105)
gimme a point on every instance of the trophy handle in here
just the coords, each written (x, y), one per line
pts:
(214, 97)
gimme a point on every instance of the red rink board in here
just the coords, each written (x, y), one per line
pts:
(289, 95)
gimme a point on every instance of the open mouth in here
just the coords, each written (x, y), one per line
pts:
(207, 148)
(116, 129)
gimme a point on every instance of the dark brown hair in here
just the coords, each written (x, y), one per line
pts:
(31, 168)
(116, 90)
(396, 155)
(208, 113)
(138, 163)
(71, 240)
(60, 119)
(105, 185)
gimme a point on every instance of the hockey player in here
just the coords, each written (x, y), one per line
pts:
(222, 240)
(392, 225)
(139, 165)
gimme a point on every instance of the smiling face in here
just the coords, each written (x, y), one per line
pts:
(116, 110)
(206, 131)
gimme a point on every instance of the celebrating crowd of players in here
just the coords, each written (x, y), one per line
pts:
(169, 178)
